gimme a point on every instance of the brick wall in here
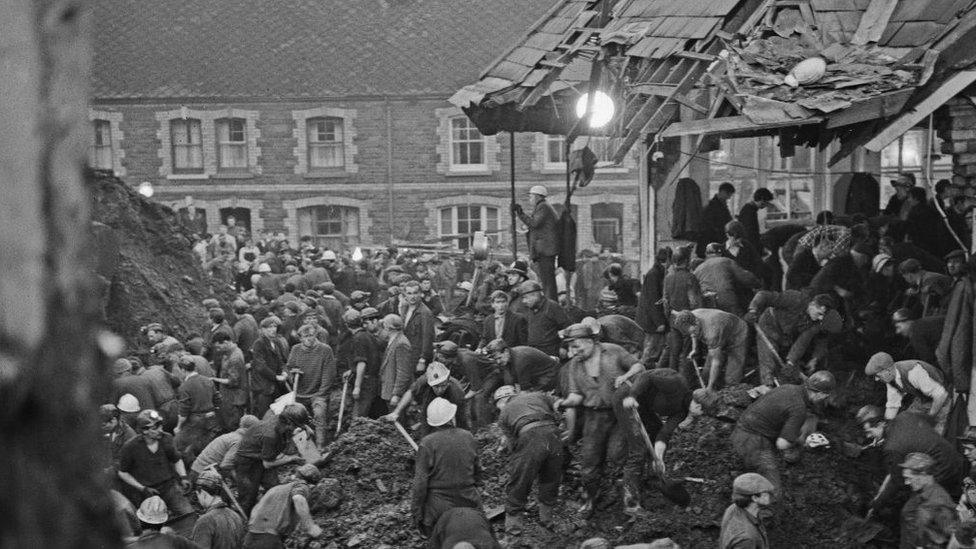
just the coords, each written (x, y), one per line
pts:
(957, 123)
(273, 185)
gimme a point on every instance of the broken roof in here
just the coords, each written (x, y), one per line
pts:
(873, 56)
(253, 49)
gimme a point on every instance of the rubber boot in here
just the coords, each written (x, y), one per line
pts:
(545, 515)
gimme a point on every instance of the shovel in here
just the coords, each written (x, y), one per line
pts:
(342, 404)
(861, 530)
(674, 490)
(406, 435)
(230, 494)
(288, 398)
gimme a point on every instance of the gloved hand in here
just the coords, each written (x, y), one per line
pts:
(149, 492)
(517, 208)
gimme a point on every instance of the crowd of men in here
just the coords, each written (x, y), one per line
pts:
(613, 362)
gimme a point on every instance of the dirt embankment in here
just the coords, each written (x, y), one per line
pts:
(146, 261)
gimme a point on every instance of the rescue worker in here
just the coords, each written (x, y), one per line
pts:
(153, 514)
(462, 528)
(725, 336)
(526, 367)
(150, 464)
(530, 425)
(595, 371)
(543, 237)
(260, 453)
(923, 334)
(928, 517)
(284, 511)
(233, 380)
(315, 364)
(503, 323)
(662, 399)
(218, 527)
(447, 472)
(741, 525)
(477, 375)
(723, 278)
(364, 362)
(435, 383)
(269, 355)
(793, 322)
(222, 451)
(544, 318)
(197, 423)
(920, 380)
(776, 422)
(901, 436)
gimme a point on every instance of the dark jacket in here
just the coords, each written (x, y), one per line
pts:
(712, 228)
(544, 324)
(650, 309)
(514, 330)
(686, 210)
(543, 237)
(419, 329)
(749, 217)
(246, 330)
(269, 356)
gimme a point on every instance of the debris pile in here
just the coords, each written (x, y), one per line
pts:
(146, 262)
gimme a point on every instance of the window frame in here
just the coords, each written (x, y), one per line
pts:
(242, 144)
(484, 213)
(337, 144)
(482, 140)
(96, 150)
(188, 122)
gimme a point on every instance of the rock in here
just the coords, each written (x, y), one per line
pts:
(356, 540)
(326, 495)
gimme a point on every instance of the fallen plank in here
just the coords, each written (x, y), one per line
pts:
(874, 21)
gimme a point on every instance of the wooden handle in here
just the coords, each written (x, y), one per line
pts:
(406, 435)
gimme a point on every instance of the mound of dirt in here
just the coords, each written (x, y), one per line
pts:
(146, 262)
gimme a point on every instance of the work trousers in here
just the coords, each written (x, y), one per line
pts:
(319, 406)
(369, 404)
(923, 406)
(759, 455)
(251, 476)
(262, 541)
(735, 355)
(482, 410)
(538, 455)
(439, 501)
(769, 366)
(545, 267)
(602, 442)
(653, 349)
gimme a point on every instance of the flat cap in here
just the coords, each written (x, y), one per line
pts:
(918, 461)
(877, 363)
(751, 484)
(447, 348)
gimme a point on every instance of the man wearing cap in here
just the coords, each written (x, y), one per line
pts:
(525, 367)
(724, 335)
(162, 343)
(234, 387)
(269, 356)
(923, 334)
(363, 357)
(261, 452)
(544, 318)
(741, 524)
(530, 425)
(915, 378)
(447, 472)
(796, 323)
(116, 434)
(128, 383)
(396, 370)
(898, 205)
(955, 349)
(315, 365)
(477, 375)
(435, 383)
(359, 300)
(928, 517)
(504, 323)
(218, 324)
(662, 399)
(721, 276)
(163, 387)
(429, 295)
(776, 422)
(543, 238)
(153, 514)
(197, 424)
(284, 511)
(218, 527)
(150, 463)
(902, 436)
(245, 329)
(594, 373)
(221, 451)
(927, 292)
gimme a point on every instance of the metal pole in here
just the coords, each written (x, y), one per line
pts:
(511, 167)
(389, 165)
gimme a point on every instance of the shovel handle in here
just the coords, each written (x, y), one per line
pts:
(342, 405)
(406, 435)
(658, 466)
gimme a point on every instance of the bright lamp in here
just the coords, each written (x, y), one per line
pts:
(602, 109)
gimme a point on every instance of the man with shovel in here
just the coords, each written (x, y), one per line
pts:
(219, 527)
(724, 335)
(315, 363)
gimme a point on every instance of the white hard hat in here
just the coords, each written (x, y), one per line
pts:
(153, 511)
(437, 373)
(128, 403)
(539, 190)
(264, 268)
(504, 391)
(440, 411)
(328, 255)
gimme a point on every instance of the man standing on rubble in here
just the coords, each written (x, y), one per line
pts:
(234, 386)
(260, 453)
(725, 336)
(594, 372)
(477, 375)
(314, 363)
(530, 424)
(661, 398)
(364, 364)
(150, 464)
(434, 384)
(197, 424)
(794, 322)
(447, 472)
(920, 380)
(269, 356)
(775, 422)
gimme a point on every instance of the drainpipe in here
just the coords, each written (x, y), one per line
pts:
(389, 164)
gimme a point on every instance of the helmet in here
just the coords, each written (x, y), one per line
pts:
(153, 511)
(209, 481)
(528, 287)
(148, 418)
(539, 190)
(369, 313)
(751, 484)
(447, 348)
(440, 411)
(122, 366)
(329, 255)
(868, 413)
(577, 331)
(294, 414)
(309, 473)
(128, 403)
(465, 286)
(821, 382)
(817, 440)
(107, 412)
(519, 266)
(503, 392)
(437, 373)
(878, 363)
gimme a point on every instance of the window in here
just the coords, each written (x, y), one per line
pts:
(325, 143)
(910, 153)
(232, 144)
(555, 150)
(100, 156)
(607, 220)
(330, 226)
(187, 146)
(791, 182)
(461, 222)
(467, 145)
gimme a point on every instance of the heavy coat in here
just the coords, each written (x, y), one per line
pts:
(543, 237)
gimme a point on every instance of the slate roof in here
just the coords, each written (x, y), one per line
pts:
(299, 48)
